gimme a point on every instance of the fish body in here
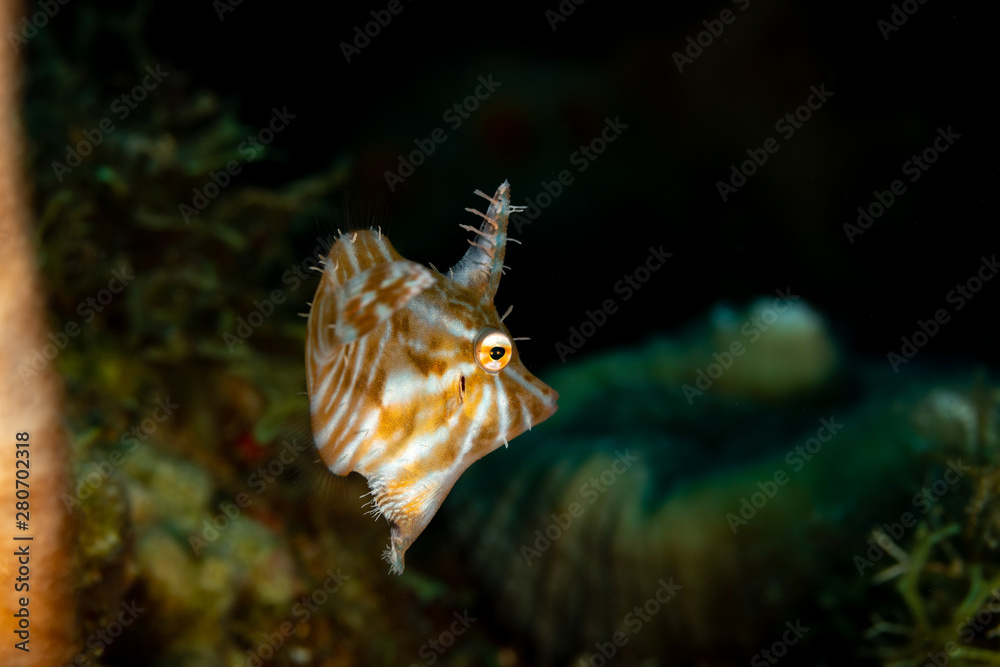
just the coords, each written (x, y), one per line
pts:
(412, 375)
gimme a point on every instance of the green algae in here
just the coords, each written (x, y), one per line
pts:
(948, 573)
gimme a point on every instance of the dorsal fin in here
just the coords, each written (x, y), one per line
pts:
(372, 296)
(481, 266)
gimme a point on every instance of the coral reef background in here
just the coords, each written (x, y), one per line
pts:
(778, 419)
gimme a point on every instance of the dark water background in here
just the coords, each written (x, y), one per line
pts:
(656, 184)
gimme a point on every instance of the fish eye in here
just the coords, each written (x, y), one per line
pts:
(493, 350)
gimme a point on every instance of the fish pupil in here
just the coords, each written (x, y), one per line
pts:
(496, 353)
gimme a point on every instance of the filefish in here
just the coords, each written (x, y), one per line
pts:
(412, 375)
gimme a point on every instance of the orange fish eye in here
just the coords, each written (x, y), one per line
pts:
(493, 350)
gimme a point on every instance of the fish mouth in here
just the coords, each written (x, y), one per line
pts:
(553, 405)
(540, 410)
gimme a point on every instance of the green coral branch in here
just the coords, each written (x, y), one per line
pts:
(941, 637)
(908, 584)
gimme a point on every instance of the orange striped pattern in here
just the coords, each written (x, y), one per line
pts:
(399, 366)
